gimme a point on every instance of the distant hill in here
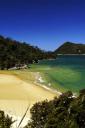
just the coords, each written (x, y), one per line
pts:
(71, 48)
(14, 53)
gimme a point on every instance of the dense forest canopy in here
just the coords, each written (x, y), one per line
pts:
(14, 53)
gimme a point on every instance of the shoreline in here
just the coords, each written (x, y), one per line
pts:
(39, 81)
(49, 89)
(16, 95)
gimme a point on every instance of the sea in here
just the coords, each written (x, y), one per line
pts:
(67, 72)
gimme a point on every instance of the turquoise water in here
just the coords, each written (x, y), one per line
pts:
(65, 73)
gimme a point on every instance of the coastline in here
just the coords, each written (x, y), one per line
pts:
(40, 82)
(14, 101)
(32, 93)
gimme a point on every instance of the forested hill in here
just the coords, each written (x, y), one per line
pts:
(14, 53)
(71, 48)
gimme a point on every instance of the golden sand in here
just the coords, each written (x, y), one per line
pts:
(16, 95)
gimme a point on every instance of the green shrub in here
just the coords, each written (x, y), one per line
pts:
(63, 112)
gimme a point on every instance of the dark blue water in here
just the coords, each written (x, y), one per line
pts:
(73, 61)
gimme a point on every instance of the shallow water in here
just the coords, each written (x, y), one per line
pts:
(67, 72)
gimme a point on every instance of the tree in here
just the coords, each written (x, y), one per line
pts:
(14, 53)
(5, 121)
(39, 114)
(63, 112)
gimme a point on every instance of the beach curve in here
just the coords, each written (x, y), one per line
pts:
(16, 95)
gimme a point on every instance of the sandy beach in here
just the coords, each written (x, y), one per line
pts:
(16, 95)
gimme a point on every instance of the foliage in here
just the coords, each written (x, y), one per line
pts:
(5, 121)
(66, 111)
(14, 53)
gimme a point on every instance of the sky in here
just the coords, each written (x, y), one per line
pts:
(43, 23)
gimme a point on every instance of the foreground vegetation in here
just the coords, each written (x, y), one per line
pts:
(66, 111)
(5, 121)
(63, 112)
